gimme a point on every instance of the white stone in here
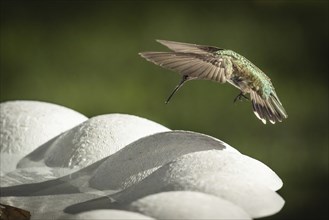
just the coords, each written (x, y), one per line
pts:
(47, 206)
(114, 152)
(231, 176)
(142, 157)
(95, 139)
(26, 125)
(107, 214)
(187, 205)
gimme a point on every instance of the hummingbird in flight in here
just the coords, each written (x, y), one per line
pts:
(194, 61)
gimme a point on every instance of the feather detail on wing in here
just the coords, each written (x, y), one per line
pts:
(270, 109)
(199, 66)
(188, 48)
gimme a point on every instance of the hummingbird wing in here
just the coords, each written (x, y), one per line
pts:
(268, 109)
(195, 66)
(188, 48)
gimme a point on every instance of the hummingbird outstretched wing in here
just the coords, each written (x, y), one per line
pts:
(192, 65)
(269, 109)
(188, 48)
(192, 60)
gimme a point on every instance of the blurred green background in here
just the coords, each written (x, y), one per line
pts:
(84, 55)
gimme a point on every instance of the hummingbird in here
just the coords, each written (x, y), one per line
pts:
(204, 62)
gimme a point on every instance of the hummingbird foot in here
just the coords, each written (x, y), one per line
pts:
(239, 97)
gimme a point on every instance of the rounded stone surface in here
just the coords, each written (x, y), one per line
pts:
(187, 205)
(139, 159)
(228, 175)
(107, 214)
(26, 125)
(97, 138)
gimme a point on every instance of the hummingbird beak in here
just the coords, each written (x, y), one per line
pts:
(183, 80)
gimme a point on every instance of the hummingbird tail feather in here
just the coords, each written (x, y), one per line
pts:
(278, 106)
(270, 109)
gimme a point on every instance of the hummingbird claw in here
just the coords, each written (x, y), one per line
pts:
(239, 97)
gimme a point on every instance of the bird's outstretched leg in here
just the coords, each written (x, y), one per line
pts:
(239, 97)
(183, 80)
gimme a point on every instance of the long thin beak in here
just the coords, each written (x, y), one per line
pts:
(183, 80)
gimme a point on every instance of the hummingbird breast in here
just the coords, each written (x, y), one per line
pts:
(249, 78)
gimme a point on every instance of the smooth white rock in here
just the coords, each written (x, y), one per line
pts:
(187, 205)
(136, 161)
(95, 139)
(26, 125)
(29, 175)
(232, 176)
(107, 214)
(150, 162)
(47, 206)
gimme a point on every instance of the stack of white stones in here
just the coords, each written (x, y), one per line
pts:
(58, 164)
